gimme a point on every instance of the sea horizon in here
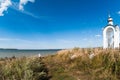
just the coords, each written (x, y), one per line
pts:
(26, 52)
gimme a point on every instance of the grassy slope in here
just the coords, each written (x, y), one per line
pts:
(105, 65)
(73, 64)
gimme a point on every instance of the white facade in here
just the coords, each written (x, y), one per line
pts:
(111, 35)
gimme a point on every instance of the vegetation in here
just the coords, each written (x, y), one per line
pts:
(73, 64)
(104, 65)
(23, 69)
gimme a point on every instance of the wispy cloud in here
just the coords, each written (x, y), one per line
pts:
(4, 4)
(14, 39)
(15, 6)
(66, 41)
(24, 2)
(19, 6)
(98, 35)
(85, 39)
(4, 39)
(22, 43)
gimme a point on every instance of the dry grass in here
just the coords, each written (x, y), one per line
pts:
(73, 64)
(23, 69)
(105, 65)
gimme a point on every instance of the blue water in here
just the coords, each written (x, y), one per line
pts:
(20, 53)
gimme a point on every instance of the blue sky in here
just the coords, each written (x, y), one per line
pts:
(49, 24)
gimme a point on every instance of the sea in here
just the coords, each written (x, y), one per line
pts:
(28, 53)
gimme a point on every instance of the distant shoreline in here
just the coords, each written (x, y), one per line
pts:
(30, 49)
(26, 52)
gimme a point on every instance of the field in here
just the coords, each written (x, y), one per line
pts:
(72, 64)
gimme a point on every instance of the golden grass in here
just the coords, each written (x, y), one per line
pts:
(23, 69)
(105, 65)
(72, 64)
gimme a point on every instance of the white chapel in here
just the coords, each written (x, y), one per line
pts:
(111, 35)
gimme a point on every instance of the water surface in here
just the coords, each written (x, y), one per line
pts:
(20, 53)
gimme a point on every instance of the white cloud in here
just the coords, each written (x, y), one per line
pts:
(4, 4)
(24, 2)
(15, 6)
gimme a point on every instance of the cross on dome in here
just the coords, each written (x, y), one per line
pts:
(110, 20)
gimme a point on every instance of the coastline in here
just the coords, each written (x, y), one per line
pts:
(26, 52)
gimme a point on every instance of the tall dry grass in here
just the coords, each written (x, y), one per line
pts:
(23, 69)
(104, 65)
(72, 64)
